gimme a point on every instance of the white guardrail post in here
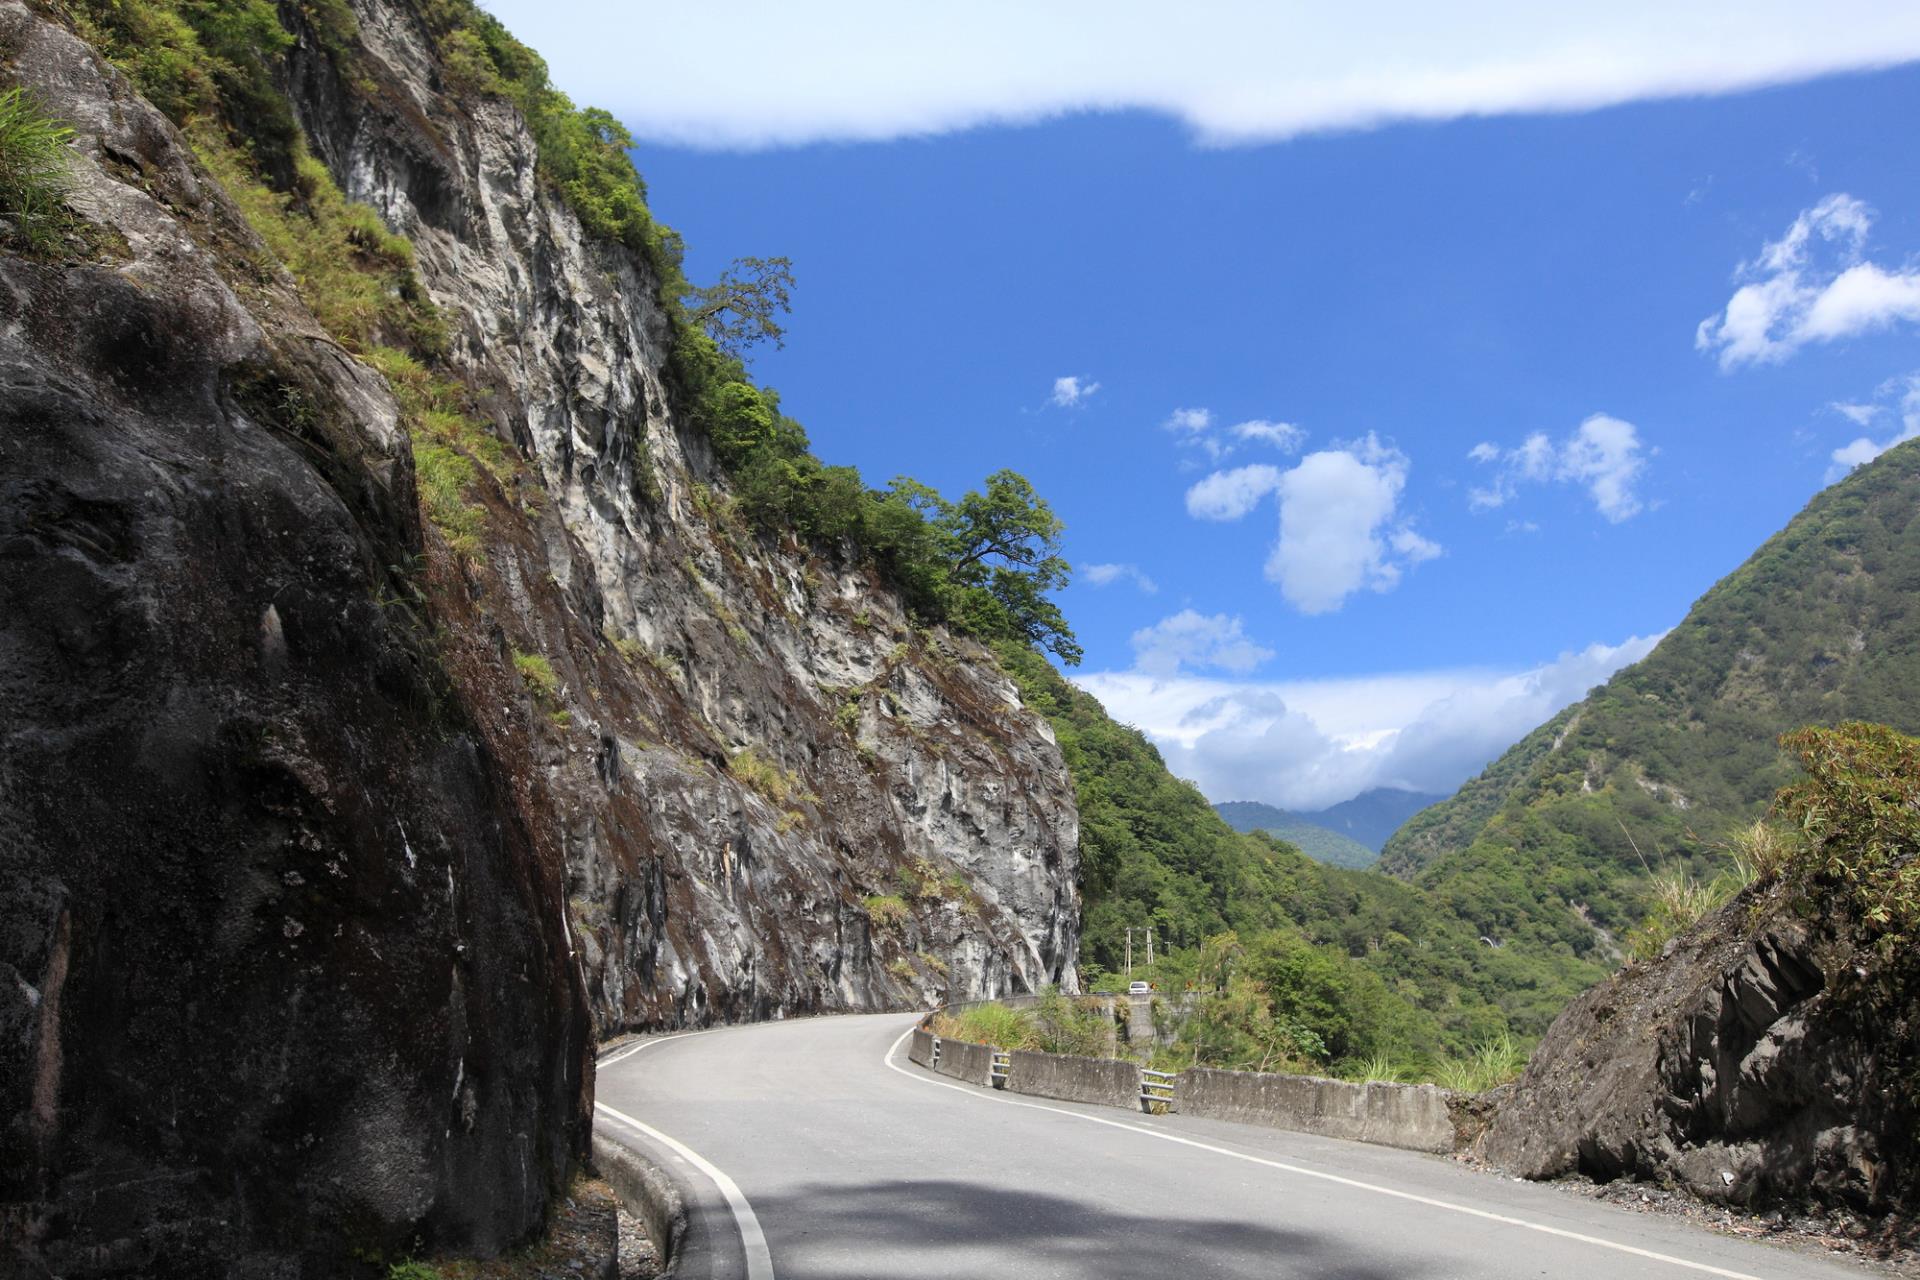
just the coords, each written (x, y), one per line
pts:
(1156, 1091)
(998, 1071)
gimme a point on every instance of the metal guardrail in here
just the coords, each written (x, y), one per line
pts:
(934, 1060)
(997, 1072)
(1156, 1090)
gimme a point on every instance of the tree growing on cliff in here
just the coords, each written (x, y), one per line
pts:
(991, 559)
(744, 305)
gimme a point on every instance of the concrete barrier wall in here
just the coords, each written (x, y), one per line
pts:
(970, 1062)
(647, 1193)
(1395, 1115)
(1105, 1081)
(920, 1047)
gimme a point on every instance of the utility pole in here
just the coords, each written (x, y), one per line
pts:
(1149, 946)
(1129, 953)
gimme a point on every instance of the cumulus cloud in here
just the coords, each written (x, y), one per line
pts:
(1340, 528)
(1810, 285)
(1228, 495)
(1071, 392)
(1309, 744)
(1898, 398)
(1238, 71)
(1105, 575)
(1191, 640)
(1604, 454)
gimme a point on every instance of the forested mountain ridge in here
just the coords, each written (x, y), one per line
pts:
(1550, 850)
(1322, 844)
(1348, 834)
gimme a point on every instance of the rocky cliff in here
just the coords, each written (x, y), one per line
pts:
(1732, 1066)
(744, 742)
(330, 835)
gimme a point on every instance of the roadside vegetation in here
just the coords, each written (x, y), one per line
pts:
(1055, 1024)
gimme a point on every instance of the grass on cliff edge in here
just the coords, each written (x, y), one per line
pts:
(35, 175)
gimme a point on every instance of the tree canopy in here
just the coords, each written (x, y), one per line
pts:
(744, 305)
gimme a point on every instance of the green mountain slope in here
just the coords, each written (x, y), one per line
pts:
(1549, 850)
(1317, 842)
(1373, 815)
(1408, 977)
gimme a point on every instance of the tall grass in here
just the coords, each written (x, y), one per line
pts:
(993, 1024)
(35, 173)
(1494, 1061)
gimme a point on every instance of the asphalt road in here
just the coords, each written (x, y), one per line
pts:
(813, 1150)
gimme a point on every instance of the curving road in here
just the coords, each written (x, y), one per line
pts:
(813, 1150)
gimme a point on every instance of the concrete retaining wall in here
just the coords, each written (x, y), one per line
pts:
(1105, 1081)
(648, 1194)
(970, 1062)
(920, 1047)
(1395, 1115)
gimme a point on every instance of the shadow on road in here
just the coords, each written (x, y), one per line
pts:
(886, 1230)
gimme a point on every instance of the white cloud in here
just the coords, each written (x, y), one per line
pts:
(1195, 429)
(1189, 421)
(1605, 456)
(1810, 286)
(1071, 393)
(1309, 744)
(1603, 453)
(1283, 436)
(1105, 575)
(1338, 528)
(1235, 72)
(1901, 394)
(1861, 415)
(1228, 495)
(1190, 640)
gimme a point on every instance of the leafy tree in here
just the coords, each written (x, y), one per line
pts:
(744, 305)
(1002, 552)
(1856, 829)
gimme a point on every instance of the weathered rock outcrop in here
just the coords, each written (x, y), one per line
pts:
(880, 753)
(283, 973)
(1730, 1066)
(312, 904)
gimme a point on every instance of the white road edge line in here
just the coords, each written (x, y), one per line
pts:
(1312, 1173)
(753, 1241)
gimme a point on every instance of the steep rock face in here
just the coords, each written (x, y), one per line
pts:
(326, 845)
(882, 761)
(283, 973)
(1728, 1065)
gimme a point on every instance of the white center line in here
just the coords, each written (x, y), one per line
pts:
(753, 1241)
(1312, 1173)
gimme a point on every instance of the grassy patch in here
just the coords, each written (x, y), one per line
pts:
(767, 778)
(888, 911)
(993, 1024)
(538, 675)
(1494, 1061)
(35, 175)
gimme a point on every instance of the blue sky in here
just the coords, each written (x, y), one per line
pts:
(1414, 430)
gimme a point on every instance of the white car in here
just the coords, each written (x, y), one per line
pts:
(1139, 989)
